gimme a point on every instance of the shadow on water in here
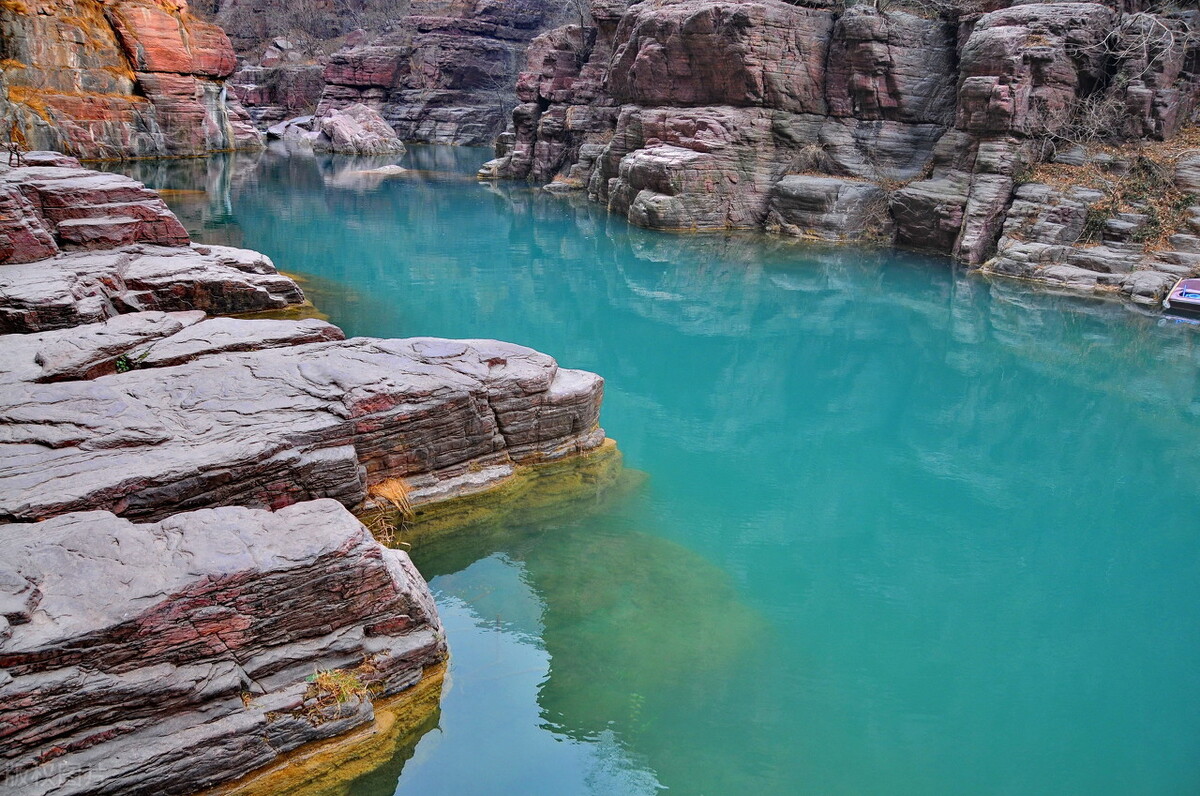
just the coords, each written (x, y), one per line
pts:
(907, 530)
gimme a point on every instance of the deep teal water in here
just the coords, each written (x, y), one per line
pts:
(903, 530)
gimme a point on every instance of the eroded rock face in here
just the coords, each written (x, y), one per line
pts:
(694, 114)
(443, 76)
(704, 53)
(119, 79)
(184, 660)
(276, 93)
(861, 95)
(437, 72)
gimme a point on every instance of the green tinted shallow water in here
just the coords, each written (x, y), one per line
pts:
(904, 531)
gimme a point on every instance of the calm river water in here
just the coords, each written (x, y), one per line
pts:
(901, 530)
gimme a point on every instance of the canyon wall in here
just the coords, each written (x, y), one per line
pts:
(439, 72)
(117, 78)
(920, 124)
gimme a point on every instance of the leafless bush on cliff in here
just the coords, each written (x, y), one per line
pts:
(16, 145)
(498, 92)
(1138, 48)
(1100, 118)
(947, 9)
(812, 158)
(1142, 43)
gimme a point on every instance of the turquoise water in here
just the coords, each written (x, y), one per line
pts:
(902, 530)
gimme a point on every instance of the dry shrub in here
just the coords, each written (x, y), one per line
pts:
(396, 492)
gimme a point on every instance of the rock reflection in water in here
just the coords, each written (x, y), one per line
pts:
(597, 624)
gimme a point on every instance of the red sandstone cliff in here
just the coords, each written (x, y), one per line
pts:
(921, 124)
(117, 78)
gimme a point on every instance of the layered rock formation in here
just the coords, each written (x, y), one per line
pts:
(79, 246)
(212, 638)
(267, 428)
(820, 122)
(188, 658)
(439, 72)
(118, 79)
(280, 84)
(445, 75)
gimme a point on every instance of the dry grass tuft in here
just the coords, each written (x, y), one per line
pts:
(389, 508)
(396, 492)
(333, 688)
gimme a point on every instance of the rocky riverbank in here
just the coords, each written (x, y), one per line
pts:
(921, 125)
(1035, 140)
(184, 594)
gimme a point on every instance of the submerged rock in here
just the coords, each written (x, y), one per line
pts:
(167, 658)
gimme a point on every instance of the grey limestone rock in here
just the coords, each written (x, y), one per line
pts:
(356, 130)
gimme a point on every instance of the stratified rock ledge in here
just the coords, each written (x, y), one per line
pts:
(165, 658)
(276, 426)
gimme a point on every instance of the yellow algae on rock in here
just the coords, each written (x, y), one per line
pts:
(532, 490)
(325, 768)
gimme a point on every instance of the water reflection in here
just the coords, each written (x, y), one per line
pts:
(906, 529)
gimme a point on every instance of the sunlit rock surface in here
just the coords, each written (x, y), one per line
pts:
(271, 427)
(119, 79)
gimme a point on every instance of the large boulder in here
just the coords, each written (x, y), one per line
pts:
(356, 130)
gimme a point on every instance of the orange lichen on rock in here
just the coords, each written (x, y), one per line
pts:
(120, 78)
